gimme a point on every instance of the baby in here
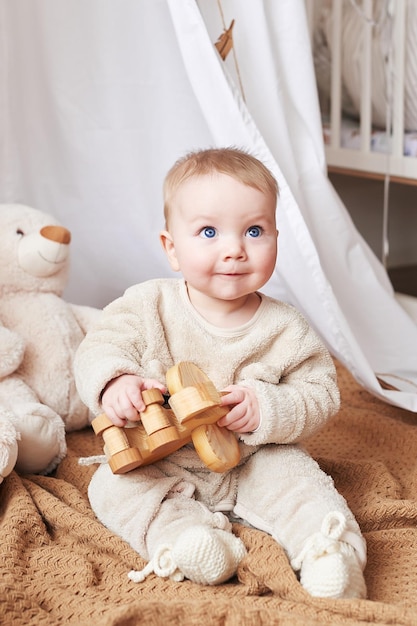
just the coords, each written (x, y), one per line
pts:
(280, 383)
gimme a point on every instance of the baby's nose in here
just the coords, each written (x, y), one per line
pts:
(234, 248)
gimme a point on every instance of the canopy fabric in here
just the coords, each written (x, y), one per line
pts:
(98, 99)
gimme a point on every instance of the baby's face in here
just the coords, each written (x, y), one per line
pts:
(223, 236)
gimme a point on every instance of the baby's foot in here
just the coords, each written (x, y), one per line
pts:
(330, 568)
(205, 555)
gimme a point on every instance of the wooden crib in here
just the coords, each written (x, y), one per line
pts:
(365, 55)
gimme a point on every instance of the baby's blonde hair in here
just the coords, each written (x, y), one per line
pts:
(231, 161)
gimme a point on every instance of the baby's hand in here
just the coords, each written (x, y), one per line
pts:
(122, 398)
(244, 416)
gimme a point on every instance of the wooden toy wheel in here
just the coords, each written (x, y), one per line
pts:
(125, 460)
(192, 392)
(122, 456)
(217, 447)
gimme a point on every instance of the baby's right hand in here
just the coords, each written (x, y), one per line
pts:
(122, 398)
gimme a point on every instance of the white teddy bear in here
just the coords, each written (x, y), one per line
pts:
(39, 334)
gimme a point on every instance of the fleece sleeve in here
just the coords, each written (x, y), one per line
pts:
(298, 398)
(115, 345)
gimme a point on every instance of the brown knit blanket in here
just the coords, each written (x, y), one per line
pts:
(61, 566)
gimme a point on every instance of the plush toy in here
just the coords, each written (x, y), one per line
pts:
(39, 334)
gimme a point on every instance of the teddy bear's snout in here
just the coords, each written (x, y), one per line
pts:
(45, 251)
(59, 234)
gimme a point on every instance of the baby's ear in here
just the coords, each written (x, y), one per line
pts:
(169, 249)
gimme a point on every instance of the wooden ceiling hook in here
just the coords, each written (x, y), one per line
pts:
(225, 42)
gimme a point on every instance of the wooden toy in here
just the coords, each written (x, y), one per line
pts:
(195, 409)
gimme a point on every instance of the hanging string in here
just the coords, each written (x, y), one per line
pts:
(228, 33)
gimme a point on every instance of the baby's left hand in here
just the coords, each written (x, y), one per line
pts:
(244, 416)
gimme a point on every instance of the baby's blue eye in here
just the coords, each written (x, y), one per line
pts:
(208, 232)
(254, 231)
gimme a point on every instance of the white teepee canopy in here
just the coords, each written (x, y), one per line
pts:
(99, 98)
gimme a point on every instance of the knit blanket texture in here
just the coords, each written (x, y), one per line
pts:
(59, 565)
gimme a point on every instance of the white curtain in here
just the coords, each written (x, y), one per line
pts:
(99, 97)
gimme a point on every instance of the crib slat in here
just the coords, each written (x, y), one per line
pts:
(398, 79)
(366, 79)
(364, 161)
(336, 75)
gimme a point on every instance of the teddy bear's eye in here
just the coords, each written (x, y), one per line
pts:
(19, 232)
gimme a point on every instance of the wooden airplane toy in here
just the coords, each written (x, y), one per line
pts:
(195, 409)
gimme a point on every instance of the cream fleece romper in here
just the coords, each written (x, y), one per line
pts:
(277, 487)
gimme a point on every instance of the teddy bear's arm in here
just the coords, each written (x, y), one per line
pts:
(86, 316)
(12, 348)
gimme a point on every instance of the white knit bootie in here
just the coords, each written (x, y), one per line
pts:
(208, 556)
(330, 568)
(205, 555)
